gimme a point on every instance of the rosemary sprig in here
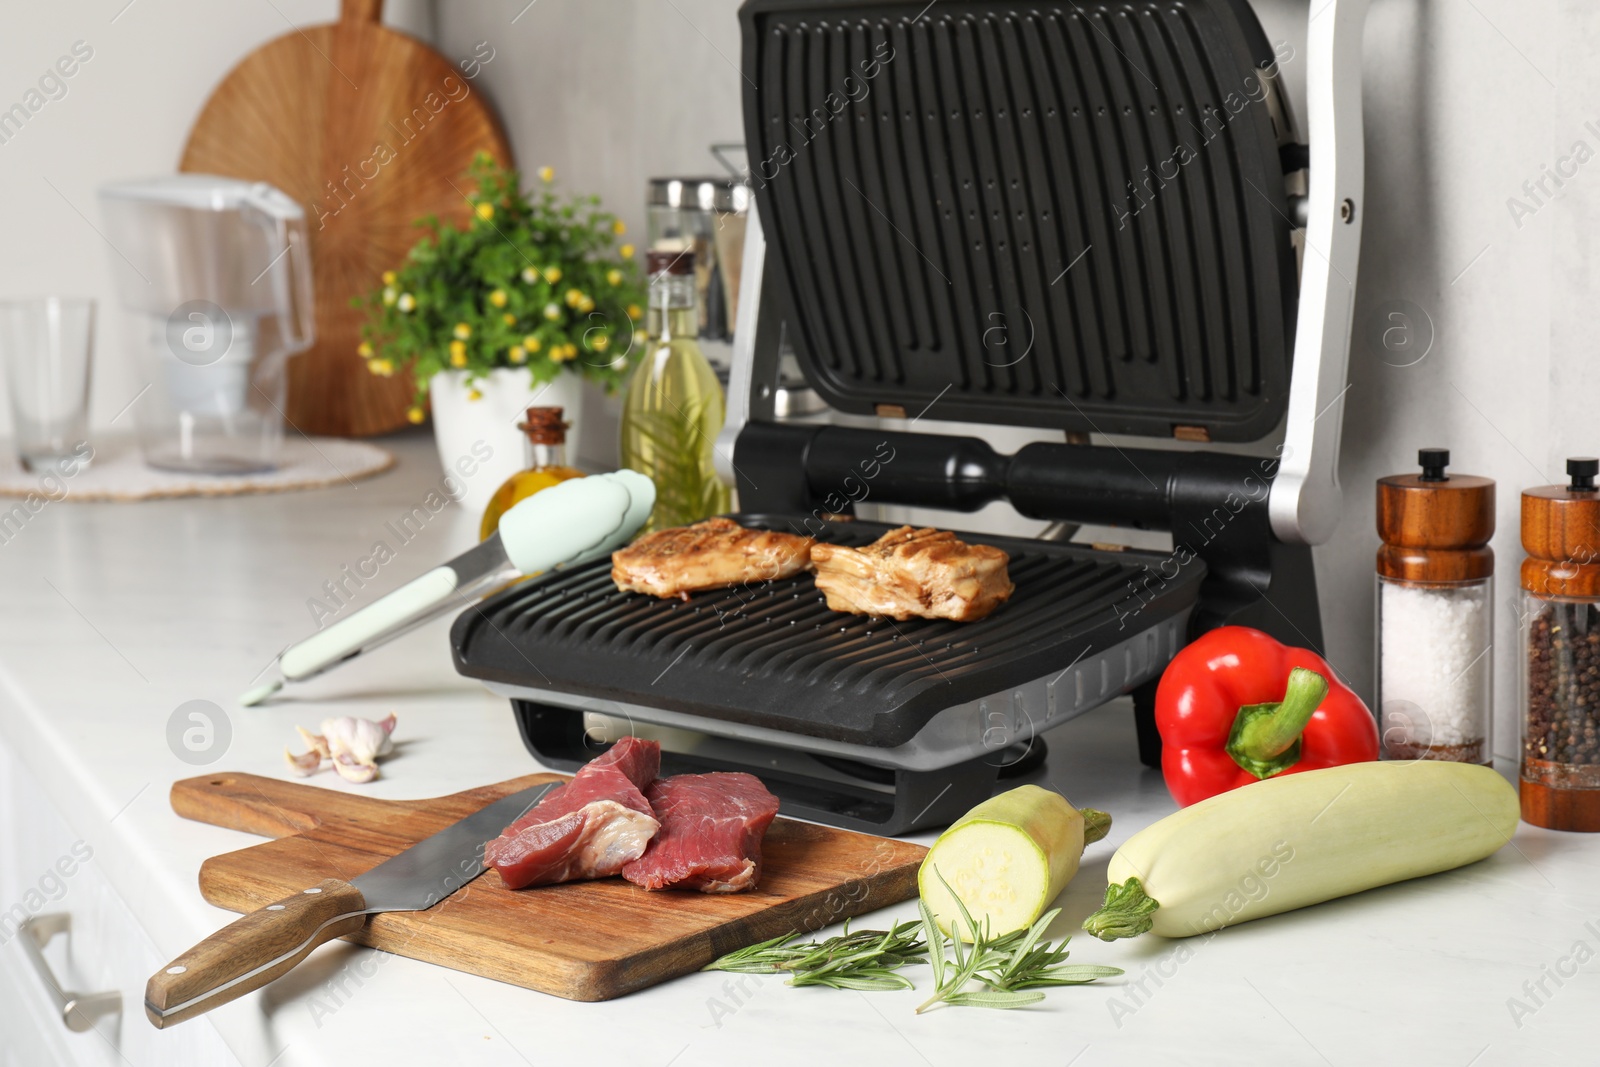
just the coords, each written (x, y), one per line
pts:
(1010, 969)
(866, 960)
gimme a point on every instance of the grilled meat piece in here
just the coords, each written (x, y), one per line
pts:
(708, 555)
(905, 573)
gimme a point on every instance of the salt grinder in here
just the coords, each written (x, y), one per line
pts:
(1560, 643)
(1435, 613)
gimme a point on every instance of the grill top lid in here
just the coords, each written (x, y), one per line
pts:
(1070, 214)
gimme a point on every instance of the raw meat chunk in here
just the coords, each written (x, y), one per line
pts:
(926, 573)
(711, 830)
(707, 555)
(587, 828)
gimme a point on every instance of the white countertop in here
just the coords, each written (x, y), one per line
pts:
(120, 613)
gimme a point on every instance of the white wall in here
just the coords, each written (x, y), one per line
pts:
(1464, 102)
(126, 114)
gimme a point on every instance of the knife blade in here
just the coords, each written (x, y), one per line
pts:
(266, 944)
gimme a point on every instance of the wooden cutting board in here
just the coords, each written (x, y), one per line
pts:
(369, 130)
(581, 941)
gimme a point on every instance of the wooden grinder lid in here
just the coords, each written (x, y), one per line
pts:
(1435, 526)
(1561, 534)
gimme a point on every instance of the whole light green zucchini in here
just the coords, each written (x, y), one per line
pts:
(1301, 839)
(1007, 859)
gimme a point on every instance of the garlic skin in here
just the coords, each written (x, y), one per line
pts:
(353, 745)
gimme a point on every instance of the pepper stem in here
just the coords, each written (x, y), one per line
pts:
(1125, 913)
(1096, 824)
(1266, 737)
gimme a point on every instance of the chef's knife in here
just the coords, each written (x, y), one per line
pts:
(266, 944)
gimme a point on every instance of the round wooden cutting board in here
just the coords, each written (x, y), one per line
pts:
(370, 130)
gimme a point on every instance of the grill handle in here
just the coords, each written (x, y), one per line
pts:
(1141, 488)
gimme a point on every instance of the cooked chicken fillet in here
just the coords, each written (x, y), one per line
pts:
(906, 573)
(707, 555)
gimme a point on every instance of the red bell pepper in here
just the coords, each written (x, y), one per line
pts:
(1236, 707)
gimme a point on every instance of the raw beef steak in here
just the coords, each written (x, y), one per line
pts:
(711, 830)
(587, 828)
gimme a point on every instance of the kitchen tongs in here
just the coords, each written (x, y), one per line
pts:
(570, 523)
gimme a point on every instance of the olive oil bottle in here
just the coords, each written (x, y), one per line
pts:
(674, 406)
(546, 465)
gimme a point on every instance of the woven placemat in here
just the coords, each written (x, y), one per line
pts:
(118, 473)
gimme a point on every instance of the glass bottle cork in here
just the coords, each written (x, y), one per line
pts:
(1435, 613)
(1560, 643)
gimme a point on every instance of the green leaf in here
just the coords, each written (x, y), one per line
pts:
(993, 999)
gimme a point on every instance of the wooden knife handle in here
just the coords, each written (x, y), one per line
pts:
(252, 951)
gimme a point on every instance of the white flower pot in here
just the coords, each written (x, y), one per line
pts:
(478, 440)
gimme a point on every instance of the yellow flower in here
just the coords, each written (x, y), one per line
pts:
(530, 275)
(473, 394)
(509, 319)
(614, 276)
(552, 275)
(634, 311)
(531, 343)
(415, 415)
(388, 277)
(517, 354)
(406, 302)
(484, 211)
(586, 305)
(364, 349)
(458, 353)
(389, 296)
(574, 298)
(639, 337)
(547, 174)
(572, 351)
(462, 331)
(552, 312)
(498, 298)
(600, 342)
(627, 251)
(619, 227)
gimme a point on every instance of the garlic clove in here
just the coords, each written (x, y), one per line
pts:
(304, 765)
(353, 745)
(362, 739)
(352, 771)
(315, 742)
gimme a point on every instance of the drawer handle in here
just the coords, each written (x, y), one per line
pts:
(77, 1010)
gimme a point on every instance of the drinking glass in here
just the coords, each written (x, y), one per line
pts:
(45, 345)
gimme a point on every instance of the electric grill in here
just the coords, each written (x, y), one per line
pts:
(1082, 216)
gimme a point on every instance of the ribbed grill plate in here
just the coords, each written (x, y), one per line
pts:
(772, 655)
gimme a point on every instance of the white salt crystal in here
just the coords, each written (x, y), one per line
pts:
(1433, 657)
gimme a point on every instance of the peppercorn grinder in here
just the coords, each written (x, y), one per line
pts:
(1559, 614)
(1435, 599)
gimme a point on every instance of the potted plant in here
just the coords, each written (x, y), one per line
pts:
(530, 299)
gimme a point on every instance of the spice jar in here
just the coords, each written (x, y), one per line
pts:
(1560, 625)
(1435, 613)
